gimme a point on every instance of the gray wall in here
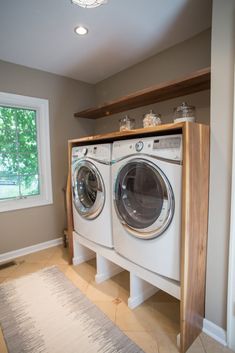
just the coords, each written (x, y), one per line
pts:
(172, 63)
(30, 226)
(223, 49)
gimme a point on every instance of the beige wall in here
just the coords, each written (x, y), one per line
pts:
(172, 63)
(26, 227)
(223, 49)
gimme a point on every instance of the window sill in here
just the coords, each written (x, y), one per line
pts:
(14, 205)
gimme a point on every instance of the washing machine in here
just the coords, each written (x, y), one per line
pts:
(91, 189)
(146, 207)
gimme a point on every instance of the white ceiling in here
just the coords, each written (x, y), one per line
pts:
(40, 33)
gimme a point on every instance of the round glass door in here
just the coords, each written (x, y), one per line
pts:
(144, 199)
(88, 190)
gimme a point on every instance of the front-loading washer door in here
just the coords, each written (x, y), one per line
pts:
(143, 199)
(88, 190)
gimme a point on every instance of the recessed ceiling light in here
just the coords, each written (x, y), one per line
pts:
(89, 3)
(81, 30)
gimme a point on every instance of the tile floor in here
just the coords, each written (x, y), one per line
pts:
(154, 325)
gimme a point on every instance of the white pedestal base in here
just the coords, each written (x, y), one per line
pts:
(105, 269)
(178, 340)
(81, 253)
(140, 290)
(143, 283)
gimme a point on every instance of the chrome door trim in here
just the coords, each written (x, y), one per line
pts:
(148, 233)
(96, 209)
(167, 160)
(99, 161)
(92, 159)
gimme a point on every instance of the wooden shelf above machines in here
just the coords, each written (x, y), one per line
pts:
(192, 83)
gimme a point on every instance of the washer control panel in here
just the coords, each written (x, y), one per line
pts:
(100, 152)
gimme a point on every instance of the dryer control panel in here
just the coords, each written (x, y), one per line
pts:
(168, 147)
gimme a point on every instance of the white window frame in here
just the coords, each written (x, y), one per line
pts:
(44, 156)
(231, 262)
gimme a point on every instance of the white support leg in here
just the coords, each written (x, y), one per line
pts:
(81, 253)
(140, 290)
(105, 269)
(178, 340)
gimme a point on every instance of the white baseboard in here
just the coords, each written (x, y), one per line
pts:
(214, 331)
(29, 249)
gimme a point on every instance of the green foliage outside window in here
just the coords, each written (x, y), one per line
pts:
(19, 176)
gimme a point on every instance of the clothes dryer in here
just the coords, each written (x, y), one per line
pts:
(91, 186)
(146, 178)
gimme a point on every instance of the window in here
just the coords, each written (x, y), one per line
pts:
(25, 172)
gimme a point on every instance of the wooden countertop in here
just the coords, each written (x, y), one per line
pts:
(120, 135)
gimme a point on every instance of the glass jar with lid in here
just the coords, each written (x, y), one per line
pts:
(151, 119)
(184, 112)
(126, 123)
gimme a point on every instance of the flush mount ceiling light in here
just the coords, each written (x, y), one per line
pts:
(89, 3)
(81, 30)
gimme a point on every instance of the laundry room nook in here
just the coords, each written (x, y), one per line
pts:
(117, 176)
(157, 191)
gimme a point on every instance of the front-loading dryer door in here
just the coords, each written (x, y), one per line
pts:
(88, 190)
(143, 198)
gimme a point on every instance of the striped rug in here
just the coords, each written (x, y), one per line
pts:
(45, 313)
